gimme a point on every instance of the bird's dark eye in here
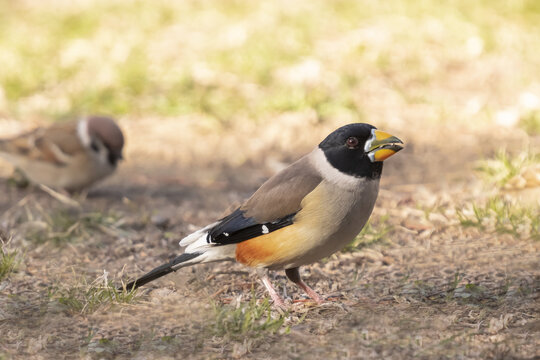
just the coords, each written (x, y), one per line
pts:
(94, 146)
(352, 142)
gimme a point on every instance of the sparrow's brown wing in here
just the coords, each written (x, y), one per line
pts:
(271, 207)
(56, 144)
(20, 145)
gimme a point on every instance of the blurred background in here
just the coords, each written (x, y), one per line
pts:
(229, 82)
(215, 96)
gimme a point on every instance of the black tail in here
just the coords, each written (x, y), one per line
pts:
(160, 271)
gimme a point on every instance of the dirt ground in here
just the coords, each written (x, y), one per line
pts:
(216, 96)
(431, 289)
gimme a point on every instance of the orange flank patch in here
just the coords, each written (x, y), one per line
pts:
(290, 244)
(269, 249)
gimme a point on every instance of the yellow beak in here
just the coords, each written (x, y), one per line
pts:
(382, 145)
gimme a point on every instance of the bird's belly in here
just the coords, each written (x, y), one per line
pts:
(75, 175)
(329, 220)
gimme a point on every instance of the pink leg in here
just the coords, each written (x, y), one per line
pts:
(278, 301)
(294, 275)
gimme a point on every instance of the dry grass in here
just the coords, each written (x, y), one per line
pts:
(503, 216)
(86, 298)
(8, 262)
(216, 96)
(245, 320)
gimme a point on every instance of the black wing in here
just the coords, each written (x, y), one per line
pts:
(236, 228)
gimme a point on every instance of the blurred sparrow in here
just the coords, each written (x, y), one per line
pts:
(68, 156)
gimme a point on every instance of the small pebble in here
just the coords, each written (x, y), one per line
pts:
(160, 221)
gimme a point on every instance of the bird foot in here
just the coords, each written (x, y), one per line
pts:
(278, 301)
(61, 196)
(310, 292)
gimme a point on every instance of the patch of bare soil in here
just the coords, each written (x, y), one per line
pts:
(430, 289)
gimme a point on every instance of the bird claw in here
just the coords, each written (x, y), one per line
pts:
(281, 307)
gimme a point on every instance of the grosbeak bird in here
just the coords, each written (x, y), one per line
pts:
(306, 212)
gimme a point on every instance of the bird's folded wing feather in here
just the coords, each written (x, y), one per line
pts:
(270, 208)
(56, 144)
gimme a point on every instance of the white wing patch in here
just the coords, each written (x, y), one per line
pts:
(193, 237)
(265, 229)
(217, 253)
(197, 241)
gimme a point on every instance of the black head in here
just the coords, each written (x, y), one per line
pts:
(359, 149)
